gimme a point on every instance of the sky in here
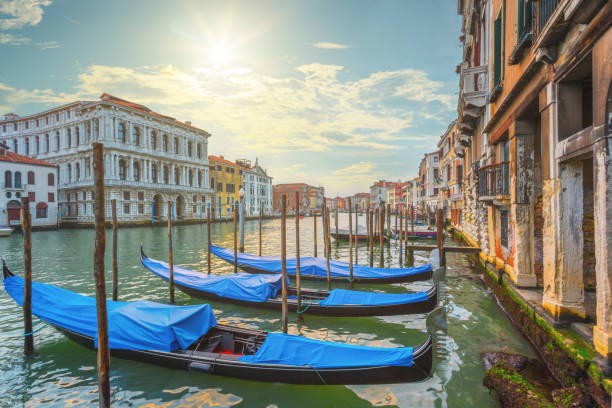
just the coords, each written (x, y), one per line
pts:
(332, 93)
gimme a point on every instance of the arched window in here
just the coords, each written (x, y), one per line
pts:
(31, 179)
(176, 145)
(135, 136)
(199, 179)
(166, 175)
(69, 138)
(69, 172)
(199, 150)
(17, 179)
(136, 171)
(77, 131)
(8, 179)
(165, 143)
(154, 140)
(15, 146)
(41, 210)
(37, 145)
(57, 140)
(190, 177)
(190, 149)
(122, 170)
(50, 179)
(77, 169)
(27, 147)
(176, 175)
(121, 132)
(154, 173)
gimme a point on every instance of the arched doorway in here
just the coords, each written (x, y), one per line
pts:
(157, 206)
(180, 207)
(13, 209)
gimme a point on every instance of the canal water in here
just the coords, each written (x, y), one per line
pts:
(62, 373)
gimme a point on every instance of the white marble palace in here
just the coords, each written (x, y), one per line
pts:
(149, 158)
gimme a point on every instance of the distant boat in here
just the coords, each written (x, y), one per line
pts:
(264, 291)
(5, 230)
(189, 338)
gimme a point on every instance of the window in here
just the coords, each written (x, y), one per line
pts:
(523, 19)
(121, 132)
(141, 195)
(17, 179)
(126, 195)
(176, 146)
(195, 209)
(51, 197)
(47, 147)
(135, 136)
(69, 138)
(77, 131)
(190, 149)
(15, 146)
(31, 179)
(230, 188)
(154, 173)
(190, 177)
(27, 124)
(504, 227)
(32, 196)
(47, 120)
(14, 126)
(195, 198)
(218, 168)
(199, 179)
(220, 187)
(140, 208)
(37, 145)
(8, 179)
(122, 172)
(199, 150)
(27, 147)
(165, 143)
(154, 140)
(57, 117)
(136, 171)
(126, 208)
(69, 171)
(41, 210)
(78, 171)
(166, 175)
(57, 140)
(177, 176)
(498, 58)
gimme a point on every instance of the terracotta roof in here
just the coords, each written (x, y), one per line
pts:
(221, 159)
(135, 106)
(11, 157)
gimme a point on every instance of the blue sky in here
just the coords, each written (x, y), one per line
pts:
(337, 93)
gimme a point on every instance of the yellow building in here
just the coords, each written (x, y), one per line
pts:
(226, 181)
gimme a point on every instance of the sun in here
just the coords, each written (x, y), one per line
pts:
(220, 54)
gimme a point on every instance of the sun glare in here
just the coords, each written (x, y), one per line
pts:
(220, 54)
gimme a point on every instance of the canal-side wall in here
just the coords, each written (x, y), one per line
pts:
(568, 356)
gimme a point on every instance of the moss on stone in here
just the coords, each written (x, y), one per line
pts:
(514, 390)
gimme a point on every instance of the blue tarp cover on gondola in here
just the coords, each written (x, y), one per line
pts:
(287, 349)
(140, 325)
(241, 286)
(316, 266)
(353, 297)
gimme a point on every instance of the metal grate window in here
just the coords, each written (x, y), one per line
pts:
(504, 227)
(545, 9)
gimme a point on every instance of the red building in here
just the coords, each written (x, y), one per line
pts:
(311, 198)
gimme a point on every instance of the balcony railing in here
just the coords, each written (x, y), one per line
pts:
(494, 180)
(474, 86)
(545, 10)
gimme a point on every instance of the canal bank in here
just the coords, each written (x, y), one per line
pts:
(571, 358)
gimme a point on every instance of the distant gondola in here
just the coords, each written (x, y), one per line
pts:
(189, 338)
(264, 291)
(312, 268)
(343, 235)
(418, 233)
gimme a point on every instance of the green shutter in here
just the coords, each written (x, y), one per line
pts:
(497, 59)
(520, 19)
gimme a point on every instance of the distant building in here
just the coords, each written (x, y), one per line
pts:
(32, 178)
(311, 198)
(226, 176)
(361, 201)
(451, 175)
(429, 182)
(378, 193)
(258, 188)
(332, 204)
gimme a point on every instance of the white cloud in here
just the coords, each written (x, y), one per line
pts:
(22, 13)
(10, 39)
(45, 45)
(330, 46)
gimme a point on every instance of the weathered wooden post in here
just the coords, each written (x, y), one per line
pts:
(98, 266)
(381, 237)
(297, 251)
(26, 226)
(115, 263)
(170, 257)
(440, 237)
(235, 240)
(371, 237)
(314, 220)
(209, 239)
(284, 262)
(356, 237)
(336, 224)
(401, 234)
(389, 225)
(409, 252)
(350, 243)
(260, 211)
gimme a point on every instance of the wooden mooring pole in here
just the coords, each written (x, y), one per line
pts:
(98, 267)
(381, 238)
(371, 237)
(440, 236)
(314, 220)
(401, 234)
(298, 285)
(336, 225)
(170, 257)
(235, 240)
(409, 252)
(26, 226)
(284, 262)
(326, 241)
(389, 225)
(356, 237)
(260, 213)
(351, 243)
(115, 262)
(209, 240)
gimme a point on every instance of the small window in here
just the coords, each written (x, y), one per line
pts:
(141, 195)
(8, 179)
(41, 210)
(32, 196)
(140, 208)
(126, 195)
(195, 208)
(126, 208)
(31, 179)
(51, 197)
(51, 179)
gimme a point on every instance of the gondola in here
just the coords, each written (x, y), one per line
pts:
(422, 233)
(189, 338)
(263, 291)
(343, 235)
(312, 268)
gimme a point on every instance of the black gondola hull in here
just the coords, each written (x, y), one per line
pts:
(218, 364)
